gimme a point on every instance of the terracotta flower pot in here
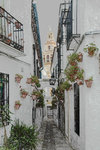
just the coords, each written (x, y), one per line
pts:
(18, 25)
(1, 12)
(34, 97)
(29, 80)
(88, 83)
(17, 79)
(79, 82)
(80, 57)
(91, 53)
(8, 41)
(73, 63)
(23, 95)
(17, 106)
(33, 84)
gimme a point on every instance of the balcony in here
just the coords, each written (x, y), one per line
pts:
(11, 34)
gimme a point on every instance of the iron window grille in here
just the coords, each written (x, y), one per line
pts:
(4, 95)
(59, 61)
(76, 109)
(11, 31)
(69, 23)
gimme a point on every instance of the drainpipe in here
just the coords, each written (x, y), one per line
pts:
(68, 114)
(76, 14)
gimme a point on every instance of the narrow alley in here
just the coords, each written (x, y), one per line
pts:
(51, 138)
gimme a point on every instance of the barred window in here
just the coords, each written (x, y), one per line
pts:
(4, 96)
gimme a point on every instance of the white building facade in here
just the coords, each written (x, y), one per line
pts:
(17, 57)
(80, 22)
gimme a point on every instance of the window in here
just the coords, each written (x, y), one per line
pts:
(44, 58)
(4, 93)
(49, 47)
(76, 109)
(69, 24)
(47, 58)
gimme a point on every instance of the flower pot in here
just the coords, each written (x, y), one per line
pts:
(73, 63)
(1, 12)
(23, 95)
(29, 80)
(34, 97)
(79, 82)
(10, 34)
(18, 25)
(80, 57)
(9, 20)
(17, 79)
(91, 53)
(88, 83)
(8, 41)
(17, 106)
(33, 84)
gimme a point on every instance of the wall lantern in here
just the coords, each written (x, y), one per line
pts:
(52, 81)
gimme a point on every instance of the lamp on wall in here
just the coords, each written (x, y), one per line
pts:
(52, 81)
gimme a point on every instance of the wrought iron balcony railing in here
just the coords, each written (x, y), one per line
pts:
(11, 31)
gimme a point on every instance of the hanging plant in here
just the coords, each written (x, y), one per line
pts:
(71, 72)
(7, 41)
(80, 57)
(17, 105)
(89, 82)
(80, 77)
(29, 80)
(59, 92)
(18, 78)
(40, 100)
(35, 81)
(73, 59)
(24, 93)
(91, 49)
(18, 25)
(35, 94)
(67, 86)
(54, 102)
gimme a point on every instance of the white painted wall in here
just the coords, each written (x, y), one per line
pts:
(21, 10)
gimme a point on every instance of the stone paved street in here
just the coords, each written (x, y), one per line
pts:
(52, 138)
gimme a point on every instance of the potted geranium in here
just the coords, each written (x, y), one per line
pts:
(18, 25)
(18, 78)
(71, 73)
(72, 58)
(91, 49)
(35, 81)
(34, 94)
(80, 57)
(54, 102)
(17, 104)
(24, 93)
(80, 77)
(89, 82)
(29, 80)
(67, 86)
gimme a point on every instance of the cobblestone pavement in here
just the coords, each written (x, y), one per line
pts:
(51, 138)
